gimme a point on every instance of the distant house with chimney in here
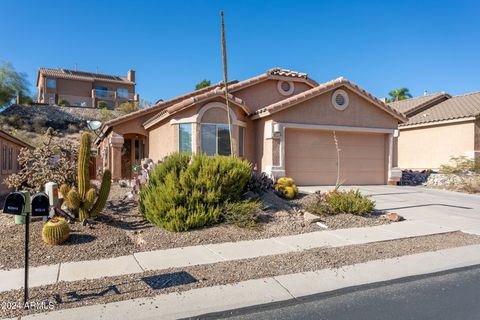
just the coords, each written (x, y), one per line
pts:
(84, 89)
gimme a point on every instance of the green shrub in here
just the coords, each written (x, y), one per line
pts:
(186, 191)
(336, 202)
(242, 214)
(102, 105)
(63, 102)
(461, 165)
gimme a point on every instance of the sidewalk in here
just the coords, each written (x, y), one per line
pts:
(274, 289)
(206, 254)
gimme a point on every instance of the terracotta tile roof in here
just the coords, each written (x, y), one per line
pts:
(411, 105)
(287, 73)
(232, 87)
(81, 75)
(274, 73)
(322, 88)
(163, 104)
(457, 107)
(186, 103)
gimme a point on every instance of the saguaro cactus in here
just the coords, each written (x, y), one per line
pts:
(85, 199)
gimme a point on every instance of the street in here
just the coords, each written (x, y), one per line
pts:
(453, 295)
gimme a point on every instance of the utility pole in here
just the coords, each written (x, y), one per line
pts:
(225, 82)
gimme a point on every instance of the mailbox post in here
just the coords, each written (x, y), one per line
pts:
(18, 204)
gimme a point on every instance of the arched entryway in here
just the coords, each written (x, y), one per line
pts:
(133, 151)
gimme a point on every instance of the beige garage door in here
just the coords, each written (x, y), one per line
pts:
(311, 157)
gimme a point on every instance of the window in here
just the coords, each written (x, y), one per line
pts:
(4, 158)
(185, 137)
(216, 139)
(51, 83)
(10, 158)
(241, 132)
(101, 91)
(122, 93)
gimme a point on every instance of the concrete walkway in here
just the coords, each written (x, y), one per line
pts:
(206, 254)
(274, 289)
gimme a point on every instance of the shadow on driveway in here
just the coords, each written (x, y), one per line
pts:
(429, 205)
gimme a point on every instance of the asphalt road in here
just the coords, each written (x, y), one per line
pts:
(454, 295)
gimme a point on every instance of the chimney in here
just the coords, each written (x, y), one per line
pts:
(424, 92)
(131, 75)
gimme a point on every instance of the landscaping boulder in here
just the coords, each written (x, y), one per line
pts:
(414, 178)
(393, 217)
(310, 217)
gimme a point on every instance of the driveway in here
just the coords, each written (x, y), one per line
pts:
(419, 203)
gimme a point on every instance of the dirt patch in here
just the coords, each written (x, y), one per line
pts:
(121, 230)
(74, 294)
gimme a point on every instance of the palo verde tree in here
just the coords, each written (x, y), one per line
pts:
(12, 83)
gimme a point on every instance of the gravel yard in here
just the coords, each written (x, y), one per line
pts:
(74, 294)
(121, 230)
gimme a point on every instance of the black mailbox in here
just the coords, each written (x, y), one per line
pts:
(40, 205)
(14, 203)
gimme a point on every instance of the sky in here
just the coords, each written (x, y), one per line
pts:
(172, 45)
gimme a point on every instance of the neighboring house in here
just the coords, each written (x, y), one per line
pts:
(9, 150)
(439, 127)
(283, 123)
(84, 89)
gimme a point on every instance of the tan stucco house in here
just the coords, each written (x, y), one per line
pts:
(440, 126)
(9, 150)
(283, 123)
(84, 89)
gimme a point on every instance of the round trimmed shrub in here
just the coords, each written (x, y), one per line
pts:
(189, 191)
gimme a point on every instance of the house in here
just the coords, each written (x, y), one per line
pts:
(283, 122)
(9, 150)
(439, 126)
(84, 89)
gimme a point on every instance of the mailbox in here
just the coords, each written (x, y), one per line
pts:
(14, 204)
(40, 205)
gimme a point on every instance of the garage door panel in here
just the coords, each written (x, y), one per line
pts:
(311, 157)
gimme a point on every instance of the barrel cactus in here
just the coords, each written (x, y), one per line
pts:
(85, 200)
(286, 188)
(55, 231)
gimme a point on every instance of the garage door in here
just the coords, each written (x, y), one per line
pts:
(311, 157)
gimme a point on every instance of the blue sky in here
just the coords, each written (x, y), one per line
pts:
(380, 45)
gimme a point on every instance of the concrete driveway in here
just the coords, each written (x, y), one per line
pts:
(418, 203)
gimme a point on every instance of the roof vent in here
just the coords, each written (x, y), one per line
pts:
(340, 99)
(285, 88)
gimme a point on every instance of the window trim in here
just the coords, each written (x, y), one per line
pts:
(241, 142)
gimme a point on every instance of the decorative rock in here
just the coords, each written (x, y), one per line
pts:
(393, 217)
(443, 180)
(310, 218)
(322, 225)
(414, 178)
